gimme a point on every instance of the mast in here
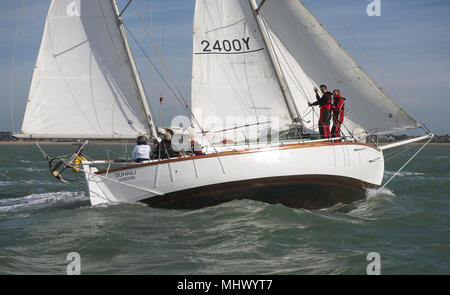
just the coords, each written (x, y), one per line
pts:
(292, 108)
(142, 97)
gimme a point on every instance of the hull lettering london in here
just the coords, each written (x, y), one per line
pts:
(125, 175)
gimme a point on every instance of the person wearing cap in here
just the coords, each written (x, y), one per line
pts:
(141, 151)
(164, 149)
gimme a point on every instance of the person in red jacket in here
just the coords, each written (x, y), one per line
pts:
(338, 113)
(325, 110)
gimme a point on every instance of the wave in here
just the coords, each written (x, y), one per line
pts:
(30, 182)
(33, 169)
(372, 193)
(8, 183)
(404, 173)
(378, 202)
(39, 201)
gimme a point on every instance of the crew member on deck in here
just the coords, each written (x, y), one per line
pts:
(164, 149)
(338, 113)
(141, 151)
(325, 110)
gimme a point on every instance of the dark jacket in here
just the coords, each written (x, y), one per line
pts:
(164, 150)
(325, 106)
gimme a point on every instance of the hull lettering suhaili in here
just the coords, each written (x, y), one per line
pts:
(125, 176)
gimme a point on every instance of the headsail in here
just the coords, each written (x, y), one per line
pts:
(233, 82)
(325, 61)
(83, 85)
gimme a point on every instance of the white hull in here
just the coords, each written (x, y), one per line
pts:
(309, 175)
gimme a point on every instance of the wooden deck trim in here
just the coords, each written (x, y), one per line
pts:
(244, 151)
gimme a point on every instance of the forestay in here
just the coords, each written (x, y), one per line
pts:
(324, 61)
(233, 81)
(83, 85)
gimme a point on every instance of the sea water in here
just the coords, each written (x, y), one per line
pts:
(42, 220)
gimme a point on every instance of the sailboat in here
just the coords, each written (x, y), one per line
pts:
(255, 65)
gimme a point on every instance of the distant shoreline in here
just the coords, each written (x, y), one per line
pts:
(131, 142)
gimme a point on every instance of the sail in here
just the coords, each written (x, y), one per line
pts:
(325, 62)
(233, 81)
(83, 85)
(301, 87)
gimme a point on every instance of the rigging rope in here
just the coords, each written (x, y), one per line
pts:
(157, 106)
(370, 80)
(13, 66)
(355, 39)
(297, 83)
(186, 105)
(405, 149)
(407, 162)
(187, 108)
(313, 53)
(151, 62)
(163, 42)
(292, 100)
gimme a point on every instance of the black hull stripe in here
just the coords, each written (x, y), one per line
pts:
(304, 191)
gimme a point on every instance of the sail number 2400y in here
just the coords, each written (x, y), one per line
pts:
(235, 45)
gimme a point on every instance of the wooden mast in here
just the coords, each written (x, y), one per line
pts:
(142, 97)
(292, 108)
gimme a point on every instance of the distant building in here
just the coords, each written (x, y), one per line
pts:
(441, 138)
(386, 138)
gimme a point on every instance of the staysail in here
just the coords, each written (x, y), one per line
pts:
(233, 81)
(83, 85)
(323, 60)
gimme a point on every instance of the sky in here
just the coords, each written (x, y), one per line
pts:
(406, 50)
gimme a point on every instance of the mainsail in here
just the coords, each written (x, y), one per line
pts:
(325, 61)
(233, 81)
(83, 85)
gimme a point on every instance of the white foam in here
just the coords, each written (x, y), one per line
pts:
(37, 201)
(371, 193)
(41, 182)
(32, 169)
(404, 173)
(369, 208)
(8, 183)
